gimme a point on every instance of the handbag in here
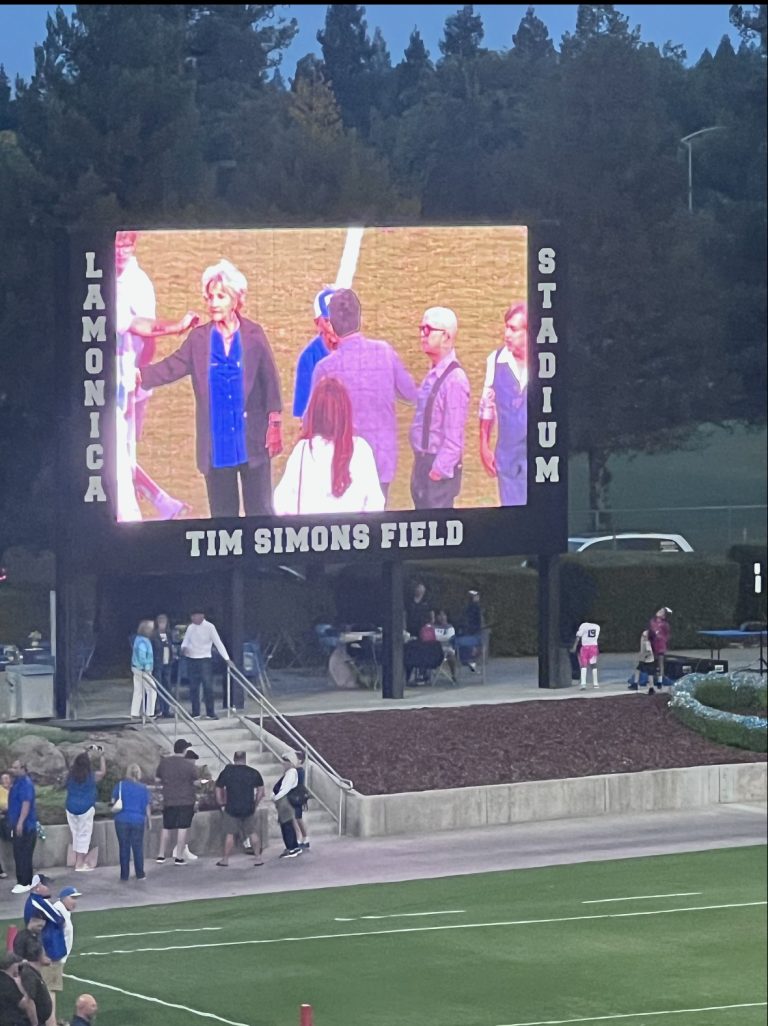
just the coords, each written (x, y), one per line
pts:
(117, 805)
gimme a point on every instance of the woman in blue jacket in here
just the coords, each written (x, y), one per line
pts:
(130, 821)
(142, 663)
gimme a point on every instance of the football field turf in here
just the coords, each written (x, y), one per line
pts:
(677, 939)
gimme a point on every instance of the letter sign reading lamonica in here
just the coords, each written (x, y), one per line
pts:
(94, 336)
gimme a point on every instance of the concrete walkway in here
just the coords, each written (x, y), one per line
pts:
(345, 862)
(298, 692)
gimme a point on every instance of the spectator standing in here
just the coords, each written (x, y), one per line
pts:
(199, 640)
(287, 782)
(659, 632)
(85, 1011)
(22, 819)
(142, 665)
(66, 905)
(178, 777)
(239, 789)
(130, 820)
(31, 976)
(162, 656)
(471, 640)
(5, 830)
(16, 1007)
(39, 905)
(80, 803)
(417, 611)
(300, 802)
(646, 664)
(586, 641)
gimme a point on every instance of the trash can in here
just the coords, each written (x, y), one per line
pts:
(253, 661)
(30, 690)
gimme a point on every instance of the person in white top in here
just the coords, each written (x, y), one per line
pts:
(330, 470)
(199, 640)
(280, 791)
(137, 328)
(66, 905)
(586, 638)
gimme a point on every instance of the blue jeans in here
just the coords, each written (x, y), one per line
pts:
(164, 676)
(200, 671)
(130, 839)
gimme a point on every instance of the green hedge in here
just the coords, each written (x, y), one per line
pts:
(689, 703)
(749, 606)
(732, 696)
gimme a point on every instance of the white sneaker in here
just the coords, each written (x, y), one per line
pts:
(596, 686)
(188, 855)
(21, 889)
(84, 869)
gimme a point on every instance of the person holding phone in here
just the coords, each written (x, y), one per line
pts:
(80, 803)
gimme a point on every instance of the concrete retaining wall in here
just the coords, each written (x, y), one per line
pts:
(206, 837)
(497, 804)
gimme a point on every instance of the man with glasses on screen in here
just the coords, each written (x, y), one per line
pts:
(374, 377)
(137, 328)
(504, 402)
(437, 432)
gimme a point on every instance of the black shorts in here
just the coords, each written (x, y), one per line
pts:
(649, 668)
(178, 817)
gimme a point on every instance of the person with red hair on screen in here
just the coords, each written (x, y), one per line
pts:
(505, 402)
(330, 470)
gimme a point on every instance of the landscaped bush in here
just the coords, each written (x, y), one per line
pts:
(726, 728)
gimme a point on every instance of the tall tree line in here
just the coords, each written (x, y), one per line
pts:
(180, 114)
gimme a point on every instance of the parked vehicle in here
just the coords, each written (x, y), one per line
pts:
(629, 542)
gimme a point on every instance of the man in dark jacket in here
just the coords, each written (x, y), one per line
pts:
(85, 1011)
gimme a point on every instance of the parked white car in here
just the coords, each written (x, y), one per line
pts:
(629, 542)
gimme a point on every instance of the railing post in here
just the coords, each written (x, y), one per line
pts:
(229, 693)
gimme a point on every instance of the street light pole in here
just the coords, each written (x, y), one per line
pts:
(686, 141)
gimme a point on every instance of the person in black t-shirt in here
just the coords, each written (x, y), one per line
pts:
(239, 789)
(16, 1007)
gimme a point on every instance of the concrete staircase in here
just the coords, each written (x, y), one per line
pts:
(230, 736)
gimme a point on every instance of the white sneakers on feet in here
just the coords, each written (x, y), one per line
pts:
(21, 888)
(188, 855)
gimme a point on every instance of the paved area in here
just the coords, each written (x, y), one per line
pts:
(344, 862)
(298, 692)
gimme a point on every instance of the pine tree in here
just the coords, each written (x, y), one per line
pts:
(463, 34)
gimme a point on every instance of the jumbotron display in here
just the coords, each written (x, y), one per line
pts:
(320, 371)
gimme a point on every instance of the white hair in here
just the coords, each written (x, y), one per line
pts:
(442, 317)
(228, 275)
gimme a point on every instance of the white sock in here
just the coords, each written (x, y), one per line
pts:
(583, 671)
(594, 677)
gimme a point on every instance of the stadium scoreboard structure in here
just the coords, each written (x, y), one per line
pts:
(146, 420)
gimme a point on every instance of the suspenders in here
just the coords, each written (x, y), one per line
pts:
(431, 402)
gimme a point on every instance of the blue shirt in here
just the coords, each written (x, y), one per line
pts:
(312, 354)
(142, 657)
(226, 396)
(136, 798)
(22, 790)
(81, 797)
(52, 936)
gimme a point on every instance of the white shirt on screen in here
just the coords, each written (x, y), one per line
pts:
(199, 639)
(488, 397)
(135, 298)
(588, 633)
(306, 483)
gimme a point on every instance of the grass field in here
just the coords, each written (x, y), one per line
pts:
(633, 941)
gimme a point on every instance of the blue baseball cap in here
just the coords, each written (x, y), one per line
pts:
(321, 301)
(69, 892)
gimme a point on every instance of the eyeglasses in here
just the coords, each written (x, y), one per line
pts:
(427, 329)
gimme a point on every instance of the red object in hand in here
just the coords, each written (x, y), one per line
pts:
(306, 1016)
(10, 937)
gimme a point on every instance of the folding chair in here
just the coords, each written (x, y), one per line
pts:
(444, 670)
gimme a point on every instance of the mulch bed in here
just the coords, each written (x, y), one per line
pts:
(393, 750)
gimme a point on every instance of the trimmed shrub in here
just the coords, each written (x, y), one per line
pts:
(725, 728)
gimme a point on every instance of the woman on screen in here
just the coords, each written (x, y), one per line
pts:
(237, 396)
(330, 470)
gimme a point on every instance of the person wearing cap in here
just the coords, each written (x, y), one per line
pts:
(280, 791)
(374, 377)
(178, 777)
(239, 789)
(237, 396)
(314, 351)
(86, 1008)
(22, 819)
(437, 431)
(659, 632)
(39, 906)
(197, 647)
(130, 820)
(504, 402)
(66, 905)
(16, 1006)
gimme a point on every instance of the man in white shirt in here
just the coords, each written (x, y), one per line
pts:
(66, 905)
(285, 813)
(197, 646)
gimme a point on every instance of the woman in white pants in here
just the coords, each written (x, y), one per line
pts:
(81, 804)
(142, 663)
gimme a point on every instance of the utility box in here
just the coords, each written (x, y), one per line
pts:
(27, 693)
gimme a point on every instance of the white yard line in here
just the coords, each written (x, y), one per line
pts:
(155, 1001)
(638, 1015)
(151, 933)
(348, 265)
(644, 897)
(420, 929)
(399, 915)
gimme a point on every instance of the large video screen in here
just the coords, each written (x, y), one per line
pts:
(320, 371)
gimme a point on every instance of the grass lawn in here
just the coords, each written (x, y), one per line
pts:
(529, 946)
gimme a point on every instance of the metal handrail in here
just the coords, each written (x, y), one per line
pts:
(343, 785)
(180, 713)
